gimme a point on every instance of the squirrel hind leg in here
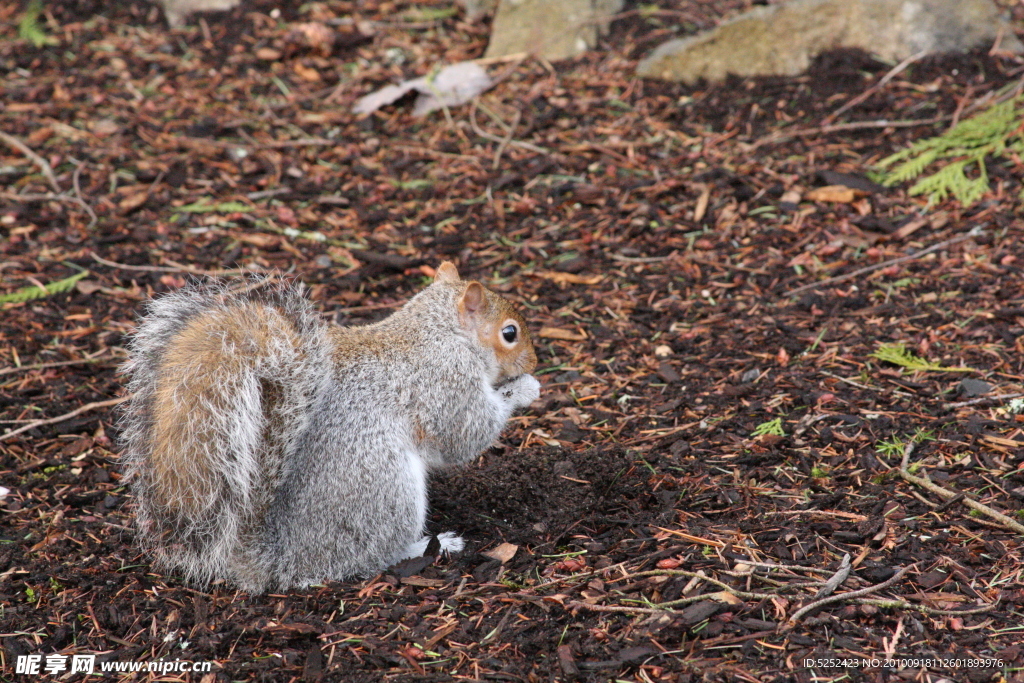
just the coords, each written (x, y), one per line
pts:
(450, 543)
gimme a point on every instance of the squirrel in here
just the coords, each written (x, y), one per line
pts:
(271, 450)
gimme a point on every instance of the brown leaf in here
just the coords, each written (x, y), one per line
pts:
(570, 278)
(559, 333)
(834, 193)
(133, 201)
(503, 553)
(306, 73)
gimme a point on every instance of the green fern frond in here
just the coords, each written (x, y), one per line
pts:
(31, 293)
(911, 168)
(993, 133)
(897, 354)
(29, 28)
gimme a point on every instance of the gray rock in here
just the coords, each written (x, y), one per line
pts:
(783, 39)
(177, 11)
(549, 29)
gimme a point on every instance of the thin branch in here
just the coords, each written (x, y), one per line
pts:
(973, 232)
(846, 596)
(980, 400)
(926, 483)
(174, 268)
(618, 608)
(66, 416)
(43, 366)
(494, 138)
(839, 127)
(43, 165)
(93, 218)
(877, 86)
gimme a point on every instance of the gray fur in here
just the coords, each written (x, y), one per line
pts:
(338, 489)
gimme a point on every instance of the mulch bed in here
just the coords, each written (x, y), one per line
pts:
(709, 444)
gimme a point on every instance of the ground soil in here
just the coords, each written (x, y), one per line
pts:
(653, 234)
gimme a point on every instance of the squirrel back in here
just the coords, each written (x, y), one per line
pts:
(270, 449)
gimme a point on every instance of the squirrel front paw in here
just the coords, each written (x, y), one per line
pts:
(521, 391)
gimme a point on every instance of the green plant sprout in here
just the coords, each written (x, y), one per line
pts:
(772, 427)
(891, 447)
(964, 147)
(896, 445)
(897, 354)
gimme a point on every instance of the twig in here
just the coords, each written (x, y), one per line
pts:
(877, 86)
(48, 197)
(846, 596)
(36, 159)
(981, 399)
(790, 567)
(838, 127)
(504, 142)
(746, 595)
(66, 416)
(619, 608)
(43, 366)
(903, 604)
(848, 381)
(494, 138)
(926, 483)
(93, 219)
(174, 268)
(973, 232)
(640, 259)
(924, 609)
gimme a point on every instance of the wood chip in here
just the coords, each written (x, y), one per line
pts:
(561, 333)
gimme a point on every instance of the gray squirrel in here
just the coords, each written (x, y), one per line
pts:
(271, 450)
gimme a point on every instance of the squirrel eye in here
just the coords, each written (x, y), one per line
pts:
(509, 333)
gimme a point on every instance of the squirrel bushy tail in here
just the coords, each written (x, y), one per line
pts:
(221, 386)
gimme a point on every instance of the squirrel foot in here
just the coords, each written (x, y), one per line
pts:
(450, 543)
(520, 391)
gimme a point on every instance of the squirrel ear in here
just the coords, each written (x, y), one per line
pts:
(447, 272)
(472, 304)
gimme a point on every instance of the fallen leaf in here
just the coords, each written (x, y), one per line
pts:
(571, 278)
(451, 86)
(88, 287)
(133, 201)
(834, 193)
(315, 36)
(259, 239)
(503, 553)
(702, 204)
(559, 333)
(726, 597)
(306, 73)
(268, 54)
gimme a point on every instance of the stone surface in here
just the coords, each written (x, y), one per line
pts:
(783, 39)
(177, 11)
(550, 29)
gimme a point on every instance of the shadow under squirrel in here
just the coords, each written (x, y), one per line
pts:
(269, 449)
